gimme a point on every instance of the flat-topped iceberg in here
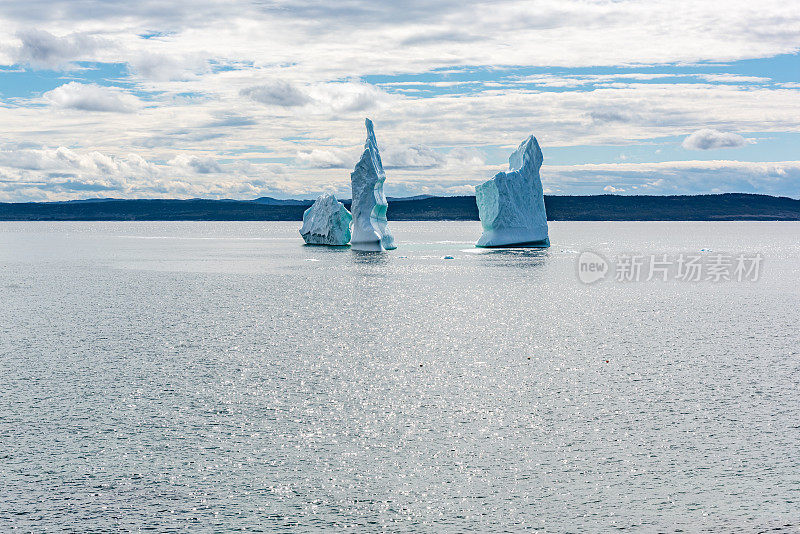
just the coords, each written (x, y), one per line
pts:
(369, 203)
(326, 222)
(511, 205)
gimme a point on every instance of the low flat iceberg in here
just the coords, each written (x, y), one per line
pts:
(511, 205)
(369, 203)
(326, 222)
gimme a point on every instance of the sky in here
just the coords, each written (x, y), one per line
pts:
(242, 99)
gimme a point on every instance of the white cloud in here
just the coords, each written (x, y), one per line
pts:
(277, 93)
(317, 37)
(611, 115)
(421, 157)
(42, 49)
(677, 177)
(63, 160)
(466, 157)
(709, 139)
(42, 174)
(92, 97)
(200, 165)
(167, 67)
(412, 157)
(349, 97)
(285, 85)
(325, 158)
(63, 173)
(440, 38)
(732, 78)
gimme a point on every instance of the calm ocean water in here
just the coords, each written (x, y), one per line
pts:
(221, 376)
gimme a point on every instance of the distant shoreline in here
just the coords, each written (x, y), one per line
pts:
(721, 207)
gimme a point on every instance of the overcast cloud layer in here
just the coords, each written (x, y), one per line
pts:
(243, 99)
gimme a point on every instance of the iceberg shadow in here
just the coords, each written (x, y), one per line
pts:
(515, 257)
(326, 248)
(369, 257)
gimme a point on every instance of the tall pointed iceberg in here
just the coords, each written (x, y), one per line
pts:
(326, 222)
(369, 203)
(511, 205)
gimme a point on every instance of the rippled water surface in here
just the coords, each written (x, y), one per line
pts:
(221, 376)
